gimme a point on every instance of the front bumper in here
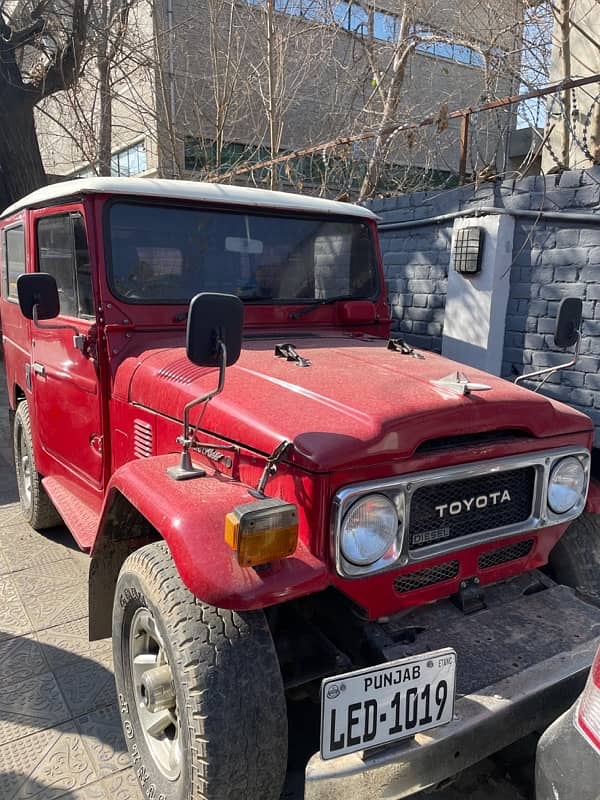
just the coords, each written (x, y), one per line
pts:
(486, 719)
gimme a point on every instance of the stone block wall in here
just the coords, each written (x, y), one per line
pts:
(552, 259)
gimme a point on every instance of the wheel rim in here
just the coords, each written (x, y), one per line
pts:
(160, 725)
(25, 468)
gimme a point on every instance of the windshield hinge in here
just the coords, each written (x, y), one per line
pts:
(400, 346)
(289, 352)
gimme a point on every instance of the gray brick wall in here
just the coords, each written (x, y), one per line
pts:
(551, 260)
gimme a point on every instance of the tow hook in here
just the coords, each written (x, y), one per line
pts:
(469, 597)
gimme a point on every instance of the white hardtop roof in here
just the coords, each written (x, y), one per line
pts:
(187, 190)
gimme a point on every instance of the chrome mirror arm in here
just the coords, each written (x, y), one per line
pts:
(185, 469)
(548, 371)
(79, 339)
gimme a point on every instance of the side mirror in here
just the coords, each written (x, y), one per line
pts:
(38, 289)
(212, 319)
(214, 339)
(566, 334)
(568, 322)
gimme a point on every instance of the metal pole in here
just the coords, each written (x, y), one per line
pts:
(464, 148)
(371, 134)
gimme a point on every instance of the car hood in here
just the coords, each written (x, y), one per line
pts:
(356, 400)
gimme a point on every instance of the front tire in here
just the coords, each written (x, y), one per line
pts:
(36, 506)
(200, 690)
(575, 560)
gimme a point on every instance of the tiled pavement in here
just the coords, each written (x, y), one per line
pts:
(60, 734)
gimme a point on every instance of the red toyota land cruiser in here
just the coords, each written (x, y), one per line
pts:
(281, 502)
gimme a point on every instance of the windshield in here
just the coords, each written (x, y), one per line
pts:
(167, 255)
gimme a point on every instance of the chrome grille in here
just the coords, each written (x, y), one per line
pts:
(501, 555)
(425, 534)
(439, 513)
(426, 577)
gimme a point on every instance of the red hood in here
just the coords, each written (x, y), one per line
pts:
(357, 400)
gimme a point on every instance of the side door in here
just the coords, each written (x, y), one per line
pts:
(66, 387)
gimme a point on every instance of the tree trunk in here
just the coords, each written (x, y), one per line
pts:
(272, 104)
(105, 132)
(390, 107)
(21, 165)
(565, 63)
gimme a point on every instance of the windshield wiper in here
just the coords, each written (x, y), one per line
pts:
(327, 302)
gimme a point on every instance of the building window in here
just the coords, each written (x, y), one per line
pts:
(130, 161)
(124, 163)
(352, 17)
(386, 27)
(450, 50)
(14, 250)
(201, 154)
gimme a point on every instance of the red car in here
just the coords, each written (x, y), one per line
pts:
(282, 501)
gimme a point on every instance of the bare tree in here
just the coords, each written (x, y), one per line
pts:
(41, 51)
(110, 26)
(562, 18)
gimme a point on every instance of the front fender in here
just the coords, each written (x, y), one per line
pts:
(190, 516)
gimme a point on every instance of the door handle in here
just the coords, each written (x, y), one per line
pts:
(39, 369)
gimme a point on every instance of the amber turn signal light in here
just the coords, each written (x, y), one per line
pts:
(264, 531)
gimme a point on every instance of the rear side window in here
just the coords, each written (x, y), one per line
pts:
(14, 258)
(63, 253)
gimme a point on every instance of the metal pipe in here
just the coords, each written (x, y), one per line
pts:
(482, 211)
(397, 128)
(464, 148)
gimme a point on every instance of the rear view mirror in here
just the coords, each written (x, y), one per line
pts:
(38, 289)
(568, 322)
(214, 339)
(214, 318)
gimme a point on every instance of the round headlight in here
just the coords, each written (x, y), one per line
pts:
(566, 485)
(368, 530)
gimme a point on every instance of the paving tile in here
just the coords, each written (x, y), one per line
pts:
(52, 593)
(45, 766)
(102, 735)
(122, 786)
(67, 644)
(93, 791)
(4, 566)
(86, 688)
(10, 514)
(21, 658)
(13, 617)
(30, 706)
(24, 548)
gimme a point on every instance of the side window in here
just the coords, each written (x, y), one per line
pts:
(63, 253)
(82, 268)
(14, 253)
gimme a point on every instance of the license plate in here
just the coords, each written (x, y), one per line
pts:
(392, 701)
